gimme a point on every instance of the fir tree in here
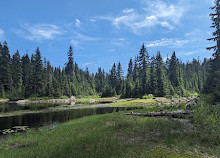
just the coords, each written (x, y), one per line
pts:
(160, 77)
(5, 68)
(17, 72)
(38, 73)
(213, 81)
(119, 78)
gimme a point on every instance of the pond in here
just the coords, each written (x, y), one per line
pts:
(43, 114)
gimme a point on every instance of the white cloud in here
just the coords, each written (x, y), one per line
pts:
(77, 22)
(39, 32)
(128, 10)
(165, 11)
(119, 41)
(156, 13)
(92, 20)
(75, 43)
(176, 42)
(79, 38)
(86, 64)
(1, 34)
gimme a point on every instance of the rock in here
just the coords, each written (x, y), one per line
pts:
(92, 100)
(72, 98)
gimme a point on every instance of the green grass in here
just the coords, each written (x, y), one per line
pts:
(3, 100)
(39, 98)
(112, 135)
(136, 102)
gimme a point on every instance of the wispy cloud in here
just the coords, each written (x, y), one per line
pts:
(176, 42)
(156, 13)
(79, 38)
(1, 34)
(77, 22)
(92, 20)
(86, 64)
(128, 10)
(39, 32)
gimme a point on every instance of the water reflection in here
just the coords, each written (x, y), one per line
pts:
(4, 108)
(43, 118)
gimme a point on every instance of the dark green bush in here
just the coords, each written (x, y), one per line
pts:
(207, 119)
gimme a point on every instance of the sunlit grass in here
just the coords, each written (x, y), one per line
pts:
(112, 135)
(136, 102)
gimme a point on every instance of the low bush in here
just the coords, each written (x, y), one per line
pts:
(169, 96)
(207, 119)
(147, 97)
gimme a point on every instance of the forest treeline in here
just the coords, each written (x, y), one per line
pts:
(26, 76)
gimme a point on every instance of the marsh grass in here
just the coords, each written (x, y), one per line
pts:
(112, 135)
(136, 102)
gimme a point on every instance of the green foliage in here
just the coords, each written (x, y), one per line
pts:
(109, 92)
(145, 76)
(207, 119)
(15, 95)
(63, 97)
(112, 135)
(169, 96)
(148, 97)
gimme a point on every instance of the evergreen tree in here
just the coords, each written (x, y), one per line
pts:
(119, 78)
(173, 70)
(130, 69)
(213, 81)
(152, 84)
(5, 68)
(17, 72)
(113, 77)
(160, 77)
(38, 73)
(26, 74)
(70, 65)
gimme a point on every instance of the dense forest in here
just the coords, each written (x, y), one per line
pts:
(28, 76)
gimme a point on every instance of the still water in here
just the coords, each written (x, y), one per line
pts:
(44, 114)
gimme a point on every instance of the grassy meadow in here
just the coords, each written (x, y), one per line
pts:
(114, 135)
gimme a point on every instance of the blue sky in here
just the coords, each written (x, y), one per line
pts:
(102, 32)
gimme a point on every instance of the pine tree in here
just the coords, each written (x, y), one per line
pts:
(136, 69)
(5, 68)
(70, 65)
(152, 82)
(26, 74)
(119, 78)
(112, 77)
(130, 69)
(213, 81)
(38, 74)
(160, 77)
(17, 72)
(173, 70)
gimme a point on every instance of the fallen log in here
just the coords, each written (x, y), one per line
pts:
(174, 114)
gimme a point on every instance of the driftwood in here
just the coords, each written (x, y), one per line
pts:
(174, 114)
(190, 102)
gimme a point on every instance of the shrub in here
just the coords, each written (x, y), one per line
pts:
(109, 92)
(147, 97)
(207, 119)
(169, 96)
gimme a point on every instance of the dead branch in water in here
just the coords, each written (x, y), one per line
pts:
(174, 114)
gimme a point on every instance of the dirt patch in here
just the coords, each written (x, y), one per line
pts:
(18, 145)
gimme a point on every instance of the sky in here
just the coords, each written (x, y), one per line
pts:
(102, 32)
